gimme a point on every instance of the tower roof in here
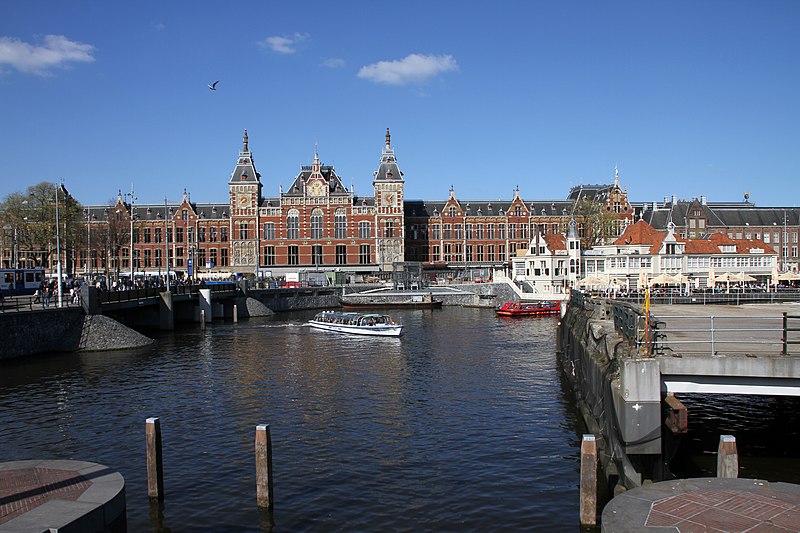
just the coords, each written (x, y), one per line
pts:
(388, 169)
(245, 170)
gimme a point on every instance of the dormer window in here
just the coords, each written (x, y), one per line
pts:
(244, 176)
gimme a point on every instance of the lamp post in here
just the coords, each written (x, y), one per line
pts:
(88, 268)
(58, 250)
(166, 240)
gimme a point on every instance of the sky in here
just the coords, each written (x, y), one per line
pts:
(687, 98)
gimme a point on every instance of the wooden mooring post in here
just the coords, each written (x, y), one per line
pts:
(202, 319)
(588, 508)
(235, 314)
(727, 457)
(155, 468)
(264, 467)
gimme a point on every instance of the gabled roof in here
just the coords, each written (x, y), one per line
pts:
(326, 172)
(555, 241)
(245, 170)
(640, 233)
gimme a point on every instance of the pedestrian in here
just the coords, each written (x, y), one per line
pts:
(37, 295)
(46, 297)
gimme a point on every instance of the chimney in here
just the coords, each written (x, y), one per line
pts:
(674, 199)
(703, 199)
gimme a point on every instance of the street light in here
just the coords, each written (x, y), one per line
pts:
(58, 249)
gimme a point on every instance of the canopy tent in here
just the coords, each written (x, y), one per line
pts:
(789, 276)
(593, 281)
(711, 278)
(662, 279)
(741, 276)
(774, 277)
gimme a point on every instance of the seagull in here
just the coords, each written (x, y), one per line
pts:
(213, 86)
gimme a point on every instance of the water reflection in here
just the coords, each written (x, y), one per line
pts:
(459, 424)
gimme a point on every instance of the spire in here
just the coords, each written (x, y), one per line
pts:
(616, 176)
(315, 165)
(244, 141)
(388, 140)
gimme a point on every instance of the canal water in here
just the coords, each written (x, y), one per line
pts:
(461, 424)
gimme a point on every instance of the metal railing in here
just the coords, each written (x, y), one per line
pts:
(33, 303)
(742, 334)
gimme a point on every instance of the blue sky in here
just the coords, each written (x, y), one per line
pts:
(688, 98)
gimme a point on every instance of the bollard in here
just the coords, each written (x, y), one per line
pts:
(727, 457)
(588, 488)
(155, 469)
(235, 314)
(264, 466)
(202, 319)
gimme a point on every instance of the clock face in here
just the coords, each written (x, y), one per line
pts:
(316, 189)
(389, 199)
(244, 201)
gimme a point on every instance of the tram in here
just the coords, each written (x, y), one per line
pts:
(20, 280)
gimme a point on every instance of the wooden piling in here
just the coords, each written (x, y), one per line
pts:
(202, 319)
(264, 467)
(155, 468)
(588, 489)
(727, 457)
(235, 314)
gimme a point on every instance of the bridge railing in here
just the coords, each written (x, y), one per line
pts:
(791, 327)
(715, 334)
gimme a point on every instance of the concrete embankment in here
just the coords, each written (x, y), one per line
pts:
(63, 330)
(605, 379)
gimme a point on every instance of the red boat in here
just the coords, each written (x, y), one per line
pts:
(530, 309)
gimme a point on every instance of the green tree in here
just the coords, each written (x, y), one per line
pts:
(597, 222)
(33, 214)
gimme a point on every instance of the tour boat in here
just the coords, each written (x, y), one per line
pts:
(356, 323)
(530, 309)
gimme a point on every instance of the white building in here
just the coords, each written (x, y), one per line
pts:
(550, 264)
(643, 254)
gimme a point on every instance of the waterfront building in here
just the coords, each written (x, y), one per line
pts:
(643, 254)
(550, 263)
(779, 227)
(318, 224)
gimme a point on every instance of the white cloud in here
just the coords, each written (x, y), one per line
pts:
(284, 45)
(333, 62)
(56, 51)
(414, 68)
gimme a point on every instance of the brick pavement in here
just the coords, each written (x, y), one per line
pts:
(27, 488)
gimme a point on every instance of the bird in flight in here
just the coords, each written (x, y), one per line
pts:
(213, 86)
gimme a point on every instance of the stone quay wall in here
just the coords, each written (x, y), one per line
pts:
(63, 330)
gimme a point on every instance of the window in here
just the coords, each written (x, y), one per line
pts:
(457, 228)
(341, 254)
(148, 258)
(223, 234)
(269, 255)
(340, 224)
(293, 225)
(201, 258)
(201, 234)
(157, 235)
(294, 255)
(469, 253)
(158, 258)
(435, 232)
(243, 230)
(512, 231)
(452, 211)
(223, 257)
(178, 234)
(146, 235)
(364, 230)
(388, 228)
(179, 257)
(364, 254)
(190, 234)
(269, 231)
(212, 234)
(316, 224)
(480, 253)
(212, 257)
(501, 231)
(185, 214)
(436, 253)
(447, 231)
(316, 254)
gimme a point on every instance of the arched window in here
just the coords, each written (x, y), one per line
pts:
(364, 230)
(340, 223)
(293, 224)
(316, 223)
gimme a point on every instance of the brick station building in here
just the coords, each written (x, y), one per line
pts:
(319, 224)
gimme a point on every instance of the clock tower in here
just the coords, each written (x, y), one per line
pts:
(245, 198)
(389, 219)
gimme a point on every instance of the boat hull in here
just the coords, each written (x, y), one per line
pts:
(388, 330)
(512, 309)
